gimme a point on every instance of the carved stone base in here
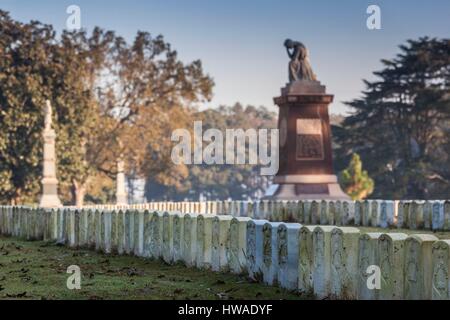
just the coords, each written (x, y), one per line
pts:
(49, 198)
(307, 187)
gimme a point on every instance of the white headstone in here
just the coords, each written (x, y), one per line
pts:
(178, 236)
(288, 255)
(358, 213)
(167, 237)
(436, 217)
(447, 215)
(441, 269)
(237, 243)
(344, 262)
(306, 260)
(315, 212)
(204, 241)
(418, 266)
(220, 234)
(391, 253)
(324, 212)
(367, 257)
(255, 248)
(270, 253)
(322, 261)
(157, 235)
(190, 239)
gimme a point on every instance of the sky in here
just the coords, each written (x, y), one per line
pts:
(240, 43)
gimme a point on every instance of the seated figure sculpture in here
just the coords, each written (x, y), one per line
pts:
(299, 66)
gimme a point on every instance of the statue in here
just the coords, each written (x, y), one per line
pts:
(299, 66)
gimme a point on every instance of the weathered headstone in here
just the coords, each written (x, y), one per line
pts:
(237, 242)
(148, 233)
(270, 253)
(288, 255)
(367, 257)
(255, 248)
(306, 211)
(204, 241)
(391, 254)
(348, 214)
(178, 229)
(107, 222)
(138, 233)
(447, 215)
(324, 212)
(120, 232)
(358, 213)
(427, 214)
(322, 261)
(332, 213)
(436, 216)
(366, 213)
(383, 222)
(190, 239)
(156, 239)
(338, 217)
(374, 213)
(306, 260)
(98, 230)
(220, 234)
(315, 212)
(344, 262)
(441, 269)
(418, 266)
(167, 237)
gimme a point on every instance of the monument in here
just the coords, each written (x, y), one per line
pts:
(306, 164)
(49, 198)
(121, 194)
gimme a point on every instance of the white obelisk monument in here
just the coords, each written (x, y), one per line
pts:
(121, 194)
(49, 198)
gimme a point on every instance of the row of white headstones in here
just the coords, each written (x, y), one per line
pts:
(321, 261)
(427, 215)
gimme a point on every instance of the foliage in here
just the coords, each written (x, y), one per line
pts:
(111, 100)
(356, 181)
(220, 181)
(400, 126)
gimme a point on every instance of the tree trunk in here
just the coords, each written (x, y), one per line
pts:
(78, 192)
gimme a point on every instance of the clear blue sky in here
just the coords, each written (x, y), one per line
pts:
(240, 42)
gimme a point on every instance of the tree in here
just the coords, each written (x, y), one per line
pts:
(355, 181)
(220, 181)
(23, 90)
(400, 125)
(111, 100)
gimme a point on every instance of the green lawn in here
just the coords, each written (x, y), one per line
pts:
(37, 270)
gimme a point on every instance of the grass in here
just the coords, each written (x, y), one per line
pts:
(37, 270)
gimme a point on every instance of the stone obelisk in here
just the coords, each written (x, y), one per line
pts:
(121, 194)
(49, 198)
(306, 163)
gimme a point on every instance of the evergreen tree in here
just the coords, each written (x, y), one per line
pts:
(400, 125)
(355, 181)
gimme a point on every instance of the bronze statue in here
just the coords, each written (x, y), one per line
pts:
(299, 66)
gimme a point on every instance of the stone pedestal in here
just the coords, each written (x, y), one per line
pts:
(306, 164)
(49, 198)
